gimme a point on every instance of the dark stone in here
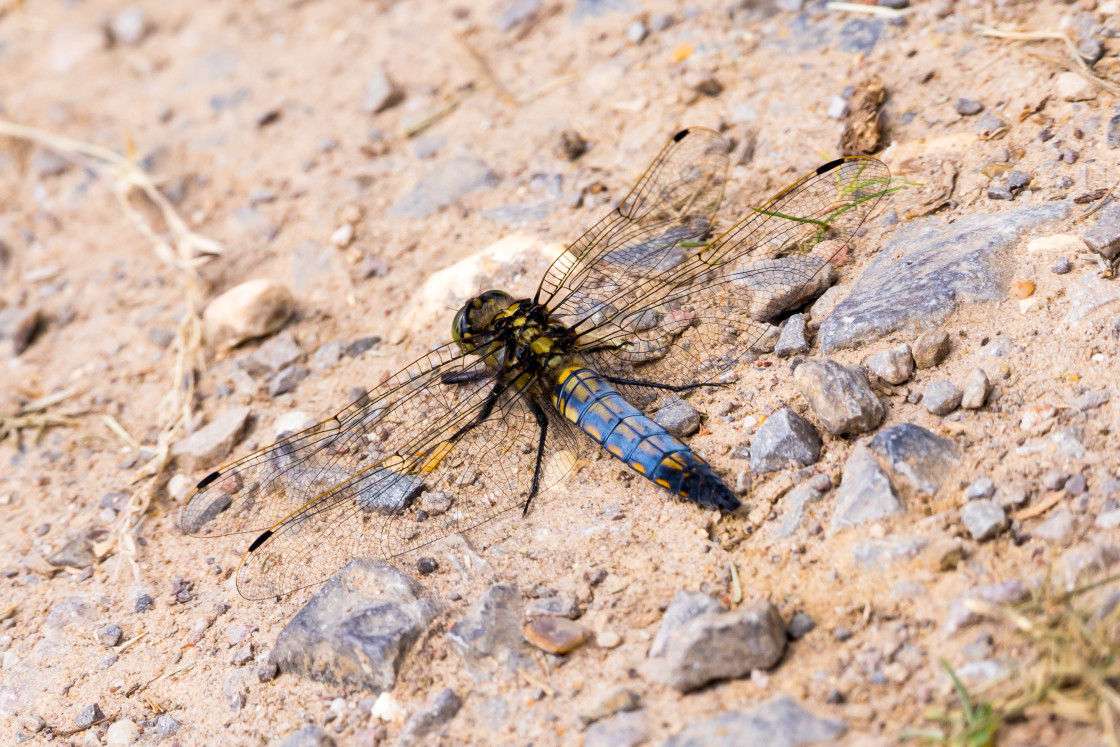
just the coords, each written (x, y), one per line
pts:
(357, 629)
(784, 441)
(859, 35)
(779, 722)
(1000, 193)
(436, 711)
(287, 380)
(800, 625)
(88, 716)
(1017, 181)
(77, 553)
(144, 603)
(426, 566)
(929, 268)
(361, 345)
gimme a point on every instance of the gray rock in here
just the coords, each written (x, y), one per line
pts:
(930, 348)
(381, 92)
(793, 510)
(444, 185)
(1061, 266)
(785, 440)
(130, 26)
(560, 605)
(989, 124)
(1091, 50)
(686, 605)
(109, 635)
(1092, 400)
(841, 399)
(838, 107)
(702, 82)
(88, 716)
(678, 417)
(1001, 193)
(928, 269)
(777, 285)
(968, 107)
(1053, 479)
(975, 392)
(22, 325)
(1103, 234)
(213, 442)
(357, 629)
(942, 397)
(859, 35)
(865, 493)
(76, 553)
(274, 354)
(309, 736)
(983, 519)
(492, 629)
(242, 655)
(981, 488)
(1017, 181)
(166, 726)
(894, 366)
(1005, 592)
(724, 645)
(287, 380)
(1077, 485)
(779, 722)
(765, 342)
(1060, 527)
(1112, 137)
(800, 625)
(792, 340)
(436, 711)
(327, 355)
(626, 729)
(880, 553)
(918, 461)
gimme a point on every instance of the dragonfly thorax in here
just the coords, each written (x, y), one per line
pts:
(509, 333)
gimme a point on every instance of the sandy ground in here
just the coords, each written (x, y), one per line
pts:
(222, 101)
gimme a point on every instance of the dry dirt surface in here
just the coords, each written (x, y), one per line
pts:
(154, 156)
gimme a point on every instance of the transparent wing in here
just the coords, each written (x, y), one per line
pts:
(672, 206)
(424, 455)
(687, 324)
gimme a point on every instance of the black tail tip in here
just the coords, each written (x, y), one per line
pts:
(710, 492)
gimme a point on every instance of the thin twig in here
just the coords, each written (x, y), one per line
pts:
(1076, 63)
(874, 10)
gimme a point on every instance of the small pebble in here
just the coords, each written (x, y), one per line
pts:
(636, 32)
(703, 82)
(981, 488)
(1053, 479)
(842, 634)
(1076, 485)
(342, 236)
(976, 388)
(426, 566)
(942, 397)
(88, 716)
(678, 417)
(800, 625)
(608, 639)
(1073, 87)
(930, 348)
(109, 635)
(556, 635)
(572, 145)
(1061, 266)
(1000, 193)
(166, 726)
(1091, 50)
(838, 107)
(968, 107)
(144, 603)
(894, 366)
(1017, 181)
(945, 553)
(983, 519)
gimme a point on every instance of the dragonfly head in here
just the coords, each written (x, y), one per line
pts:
(476, 316)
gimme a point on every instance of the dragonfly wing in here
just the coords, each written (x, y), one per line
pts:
(425, 455)
(672, 205)
(688, 324)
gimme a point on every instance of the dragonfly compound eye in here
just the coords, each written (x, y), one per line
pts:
(476, 315)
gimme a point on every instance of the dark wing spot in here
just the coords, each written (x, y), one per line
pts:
(260, 540)
(680, 136)
(827, 167)
(210, 478)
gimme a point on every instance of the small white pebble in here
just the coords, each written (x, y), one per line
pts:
(343, 235)
(386, 709)
(608, 639)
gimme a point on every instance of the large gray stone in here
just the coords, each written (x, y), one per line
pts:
(779, 722)
(357, 629)
(841, 398)
(785, 440)
(928, 269)
(865, 493)
(724, 645)
(917, 461)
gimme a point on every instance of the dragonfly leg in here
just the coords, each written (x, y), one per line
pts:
(542, 421)
(656, 385)
(464, 377)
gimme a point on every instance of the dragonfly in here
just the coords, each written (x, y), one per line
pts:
(647, 305)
